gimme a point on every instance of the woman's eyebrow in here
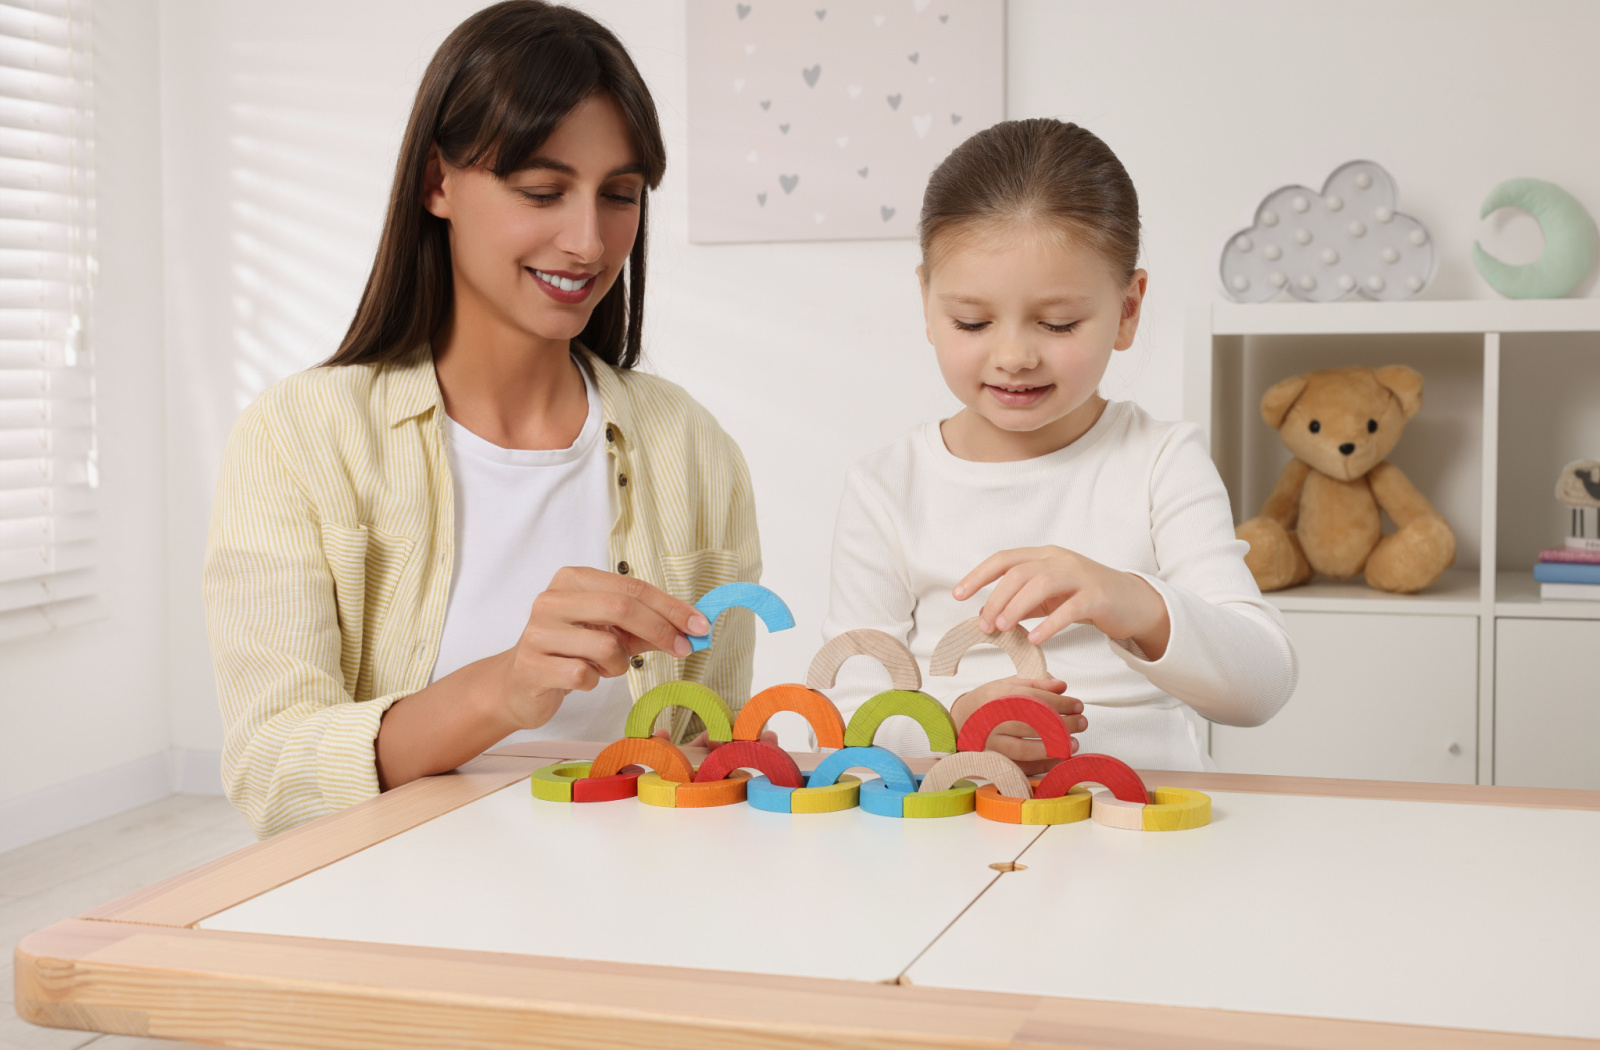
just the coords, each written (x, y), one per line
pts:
(561, 167)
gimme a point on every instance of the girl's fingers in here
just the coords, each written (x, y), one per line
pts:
(1034, 598)
(1003, 595)
(990, 569)
(1063, 616)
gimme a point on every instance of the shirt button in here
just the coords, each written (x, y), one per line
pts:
(638, 662)
(622, 480)
(610, 434)
(622, 567)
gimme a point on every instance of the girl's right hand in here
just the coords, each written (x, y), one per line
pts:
(588, 625)
(1018, 740)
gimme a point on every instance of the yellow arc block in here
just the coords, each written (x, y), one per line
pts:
(844, 793)
(1177, 809)
(1063, 809)
(654, 791)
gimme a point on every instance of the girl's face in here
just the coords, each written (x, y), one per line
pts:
(536, 251)
(1024, 323)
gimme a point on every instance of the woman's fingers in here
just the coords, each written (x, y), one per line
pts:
(680, 615)
(608, 607)
(597, 646)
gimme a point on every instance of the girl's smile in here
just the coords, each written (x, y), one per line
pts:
(1018, 396)
(563, 286)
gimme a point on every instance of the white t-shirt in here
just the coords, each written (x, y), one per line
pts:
(520, 515)
(1132, 493)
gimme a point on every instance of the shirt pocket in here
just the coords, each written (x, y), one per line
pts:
(688, 577)
(366, 565)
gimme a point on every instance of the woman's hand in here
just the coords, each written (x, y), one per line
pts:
(587, 625)
(1067, 588)
(1018, 740)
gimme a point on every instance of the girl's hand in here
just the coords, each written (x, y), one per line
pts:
(587, 625)
(1016, 740)
(1067, 588)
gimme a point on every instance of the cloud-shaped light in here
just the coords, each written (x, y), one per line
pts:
(1324, 246)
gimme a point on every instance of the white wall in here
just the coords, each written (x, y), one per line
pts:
(92, 699)
(281, 122)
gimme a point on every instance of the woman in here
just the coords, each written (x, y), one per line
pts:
(479, 444)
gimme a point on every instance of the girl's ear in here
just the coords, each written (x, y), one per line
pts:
(1132, 303)
(434, 197)
(922, 285)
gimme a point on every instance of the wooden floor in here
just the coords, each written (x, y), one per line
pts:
(62, 876)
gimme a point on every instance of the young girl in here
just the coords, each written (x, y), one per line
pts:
(476, 519)
(1112, 526)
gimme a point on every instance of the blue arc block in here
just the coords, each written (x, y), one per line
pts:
(878, 797)
(888, 765)
(764, 794)
(752, 596)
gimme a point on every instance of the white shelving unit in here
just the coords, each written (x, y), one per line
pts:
(1411, 686)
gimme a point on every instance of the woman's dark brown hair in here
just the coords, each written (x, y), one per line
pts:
(1038, 170)
(495, 90)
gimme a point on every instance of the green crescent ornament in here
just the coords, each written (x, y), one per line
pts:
(1570, 241)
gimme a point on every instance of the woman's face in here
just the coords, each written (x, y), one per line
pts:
(536, 251)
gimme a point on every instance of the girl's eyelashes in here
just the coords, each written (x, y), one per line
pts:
(968, 326)
(1058, 328)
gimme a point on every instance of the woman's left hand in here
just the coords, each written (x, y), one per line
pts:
(1066, 588)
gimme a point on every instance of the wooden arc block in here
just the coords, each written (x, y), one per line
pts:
(1026, 657)
(606, 789)
(992, 766)
(654, 791)
(724, 791)
(881, 800)
(991, 805)
(1114, 812)
(809, 704)
(651, 751)
(929, 713)
(1066, 809)
(1113, 774)
(553, 783)
(845, 793)
(865, 641)
(752, 596)
(713, 711)
(1039, 716)
(960, 797)
(888, 765)
(1177, 809)
(763, 794)
(763, 757)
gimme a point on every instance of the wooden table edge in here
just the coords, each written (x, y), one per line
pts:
(253, 989)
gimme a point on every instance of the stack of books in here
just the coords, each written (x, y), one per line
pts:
(1570, 573)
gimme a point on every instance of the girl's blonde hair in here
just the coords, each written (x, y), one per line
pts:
(1032, 171)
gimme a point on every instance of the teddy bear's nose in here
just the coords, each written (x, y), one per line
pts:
(1348, 447)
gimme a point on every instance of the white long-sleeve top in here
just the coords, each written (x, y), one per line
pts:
(1133, 493)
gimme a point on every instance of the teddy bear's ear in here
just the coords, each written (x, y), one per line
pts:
(1405, 384)
(1277, 401)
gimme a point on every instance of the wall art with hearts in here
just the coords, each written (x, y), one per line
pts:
(821, 120)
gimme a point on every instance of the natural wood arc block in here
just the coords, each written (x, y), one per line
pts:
(1039, 716)
(1170, 809)
(881, 646)
(713, 711)
(1007, 777)
(844, 793)
(652, 751)
(816, 709)
(763, 757)
(773, 612)
(724, 791)
(929, 713)
(553, 783)
(1113, 774)
(1025, 656)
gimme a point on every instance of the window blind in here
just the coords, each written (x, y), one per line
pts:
(48, 456)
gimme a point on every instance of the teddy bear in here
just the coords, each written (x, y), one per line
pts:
(1322, 516)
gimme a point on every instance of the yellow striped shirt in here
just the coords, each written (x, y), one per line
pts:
(329, 559)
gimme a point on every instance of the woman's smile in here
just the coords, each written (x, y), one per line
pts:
(562, 285)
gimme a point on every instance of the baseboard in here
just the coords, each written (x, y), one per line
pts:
(86, 799)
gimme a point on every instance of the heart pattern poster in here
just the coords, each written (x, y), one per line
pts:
(822, 120)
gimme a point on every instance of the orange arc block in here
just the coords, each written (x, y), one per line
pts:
(809, 704)
(724, 792)
(1040, 716)
(651, 751)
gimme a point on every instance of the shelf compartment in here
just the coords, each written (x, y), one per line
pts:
(1456, 593)
(1517, 594)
